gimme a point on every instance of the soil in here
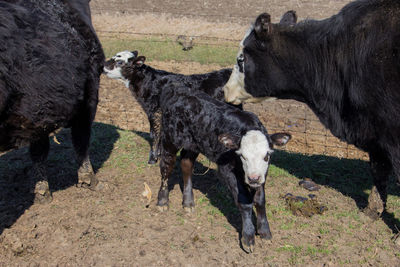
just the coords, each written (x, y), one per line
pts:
(113, 227)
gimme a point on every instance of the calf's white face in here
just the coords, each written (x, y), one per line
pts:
(255, 150)
(112, 67)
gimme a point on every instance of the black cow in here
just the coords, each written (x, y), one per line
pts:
(50, 65)
(345, 68)
(195, 122)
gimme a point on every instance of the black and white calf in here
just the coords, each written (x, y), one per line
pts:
(50, 66)
(152, 81)
(346, 68)
(197, 123)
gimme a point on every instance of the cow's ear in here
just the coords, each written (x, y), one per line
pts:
(289, 18)
(139, 61)
(263, 25)
(280, 139)
(229, 141)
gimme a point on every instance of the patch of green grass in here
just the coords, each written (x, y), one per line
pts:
(167, 49)
(316, 251)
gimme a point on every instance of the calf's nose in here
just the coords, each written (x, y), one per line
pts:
(254, 178)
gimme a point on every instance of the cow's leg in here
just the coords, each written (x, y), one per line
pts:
(262, 221)
(80, 132)
(167, 163)
(188, 159)
(39, 151)
(244, 201)
(380, 169)
(155, 134)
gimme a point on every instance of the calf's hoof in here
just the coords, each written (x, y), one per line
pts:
(152, 161)
(247, 245)
(42, 193)
(265, 234)
(152, 158)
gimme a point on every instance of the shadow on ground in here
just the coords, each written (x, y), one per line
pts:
(16, 182)
(348, 176)
(207, 181)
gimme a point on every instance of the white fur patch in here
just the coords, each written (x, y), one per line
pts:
(115, 72)
(123, 55)
(254, 148)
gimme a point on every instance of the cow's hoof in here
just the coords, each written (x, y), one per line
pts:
(87, 180)
(163, 208)
(248, 247)
(42, 193)
(188, 209)
(373, 214)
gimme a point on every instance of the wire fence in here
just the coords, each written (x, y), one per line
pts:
(309, 135)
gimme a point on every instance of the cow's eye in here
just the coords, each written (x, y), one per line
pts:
(267, 157)
(118, 63)
(240, 62)
(243, 157)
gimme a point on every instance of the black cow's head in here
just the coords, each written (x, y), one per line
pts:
(123, 66)
(253, 61)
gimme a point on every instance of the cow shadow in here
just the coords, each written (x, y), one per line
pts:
(351, 177)
(16, 181)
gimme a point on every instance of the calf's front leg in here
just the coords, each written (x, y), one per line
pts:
(244, 201)
(262, 221)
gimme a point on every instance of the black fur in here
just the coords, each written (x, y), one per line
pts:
(50, 64)
(345, 68)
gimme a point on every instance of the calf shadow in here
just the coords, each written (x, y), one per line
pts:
(207, 181)
(351, 177)
(16, 182)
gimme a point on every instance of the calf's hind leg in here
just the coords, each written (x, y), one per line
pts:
(167, 163)
(39, 151)
(188, 159)
(155, 133)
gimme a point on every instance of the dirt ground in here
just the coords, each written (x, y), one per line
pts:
(112, 226)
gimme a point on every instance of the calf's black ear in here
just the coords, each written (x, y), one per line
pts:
(289, 18)
(229, 141)
(135, 53)
(280, 139)
(263, 25)
(139, 61)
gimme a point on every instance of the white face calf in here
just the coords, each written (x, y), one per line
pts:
(255, 151)
(113, 67)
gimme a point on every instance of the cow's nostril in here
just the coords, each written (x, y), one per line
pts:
(254, 178)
